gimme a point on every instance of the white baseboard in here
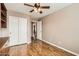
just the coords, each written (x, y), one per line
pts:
(29, 42)
(61, 48)
(14, 45)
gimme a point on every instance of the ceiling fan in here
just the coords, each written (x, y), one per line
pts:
(37, 7)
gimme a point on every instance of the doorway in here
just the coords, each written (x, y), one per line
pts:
(36, 30)
(33, 31)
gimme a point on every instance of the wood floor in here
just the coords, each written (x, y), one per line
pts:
(36, 48)
(3, 41)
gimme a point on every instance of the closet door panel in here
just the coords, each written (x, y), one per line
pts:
(13, 30)
(22, 30)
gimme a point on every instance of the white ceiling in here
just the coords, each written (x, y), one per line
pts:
(19, 7)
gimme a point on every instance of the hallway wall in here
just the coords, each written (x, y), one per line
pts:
(62, 28)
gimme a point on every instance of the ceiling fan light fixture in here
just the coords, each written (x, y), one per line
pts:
(35, 9)
(39, 9)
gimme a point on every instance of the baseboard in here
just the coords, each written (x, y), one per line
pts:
(16, 45)
(61, 48)
(29, 42)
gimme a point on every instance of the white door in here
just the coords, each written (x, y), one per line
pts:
(22, 30)
(13, 30)
(39, 30)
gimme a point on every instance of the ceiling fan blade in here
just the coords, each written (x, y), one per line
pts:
(28, 5)
(45, 7)
(35, 5)
(32, 10)
(40, 12)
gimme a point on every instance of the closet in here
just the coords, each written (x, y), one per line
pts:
(17, 30)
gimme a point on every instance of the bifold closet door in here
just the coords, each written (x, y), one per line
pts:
(17, 30)
(22, 30)
(13, 30)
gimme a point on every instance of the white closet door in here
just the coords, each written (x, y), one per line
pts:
(39, 30)
(22, 30)
(13, 30)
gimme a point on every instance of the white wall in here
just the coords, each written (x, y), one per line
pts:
(39, 30)
(62, 28)
(4, 32)
(29, 30)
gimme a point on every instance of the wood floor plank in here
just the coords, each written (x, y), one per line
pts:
(36, 48)
(3, 41)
